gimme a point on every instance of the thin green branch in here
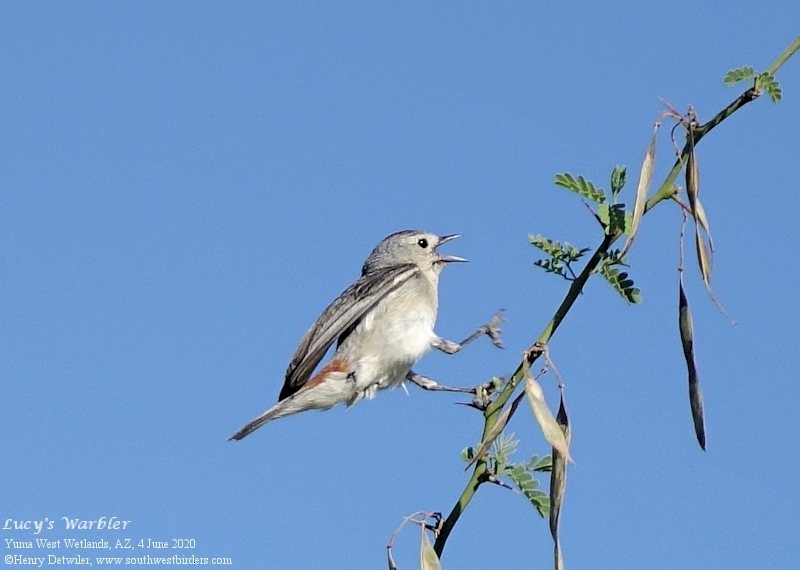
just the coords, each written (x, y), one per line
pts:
(492, 412)
(665, 191)
(667, 188)
(781, 59)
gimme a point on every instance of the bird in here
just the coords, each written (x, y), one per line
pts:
(382, 324)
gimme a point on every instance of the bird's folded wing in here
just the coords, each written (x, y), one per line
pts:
(339, 319)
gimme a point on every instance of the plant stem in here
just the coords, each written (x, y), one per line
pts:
(786, 54)
(664, 192)
(493, 410)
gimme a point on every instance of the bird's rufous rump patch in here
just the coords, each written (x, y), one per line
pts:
(335, 365)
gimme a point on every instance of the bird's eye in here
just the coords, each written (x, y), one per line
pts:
(422, 242)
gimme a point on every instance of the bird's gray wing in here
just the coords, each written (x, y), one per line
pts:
(339, 318)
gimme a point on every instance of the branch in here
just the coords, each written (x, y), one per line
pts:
(783, 57)
(492, 412)
(666, 191)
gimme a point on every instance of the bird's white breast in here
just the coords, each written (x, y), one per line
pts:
(393, 335)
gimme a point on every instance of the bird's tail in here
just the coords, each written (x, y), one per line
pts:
(277, 411)
(251, 426)
(305, 399)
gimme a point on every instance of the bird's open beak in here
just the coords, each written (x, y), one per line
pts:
(449, 258)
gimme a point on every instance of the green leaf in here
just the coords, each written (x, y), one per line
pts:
(503, 447)
(603, 215)
(734, 76)
(622, 284)
(618, 176)
(516, 470)
(524, 477)
(580, 186)
(548, 246)
(573, 253)
(529, 487)
(615, 257)
(556, 249)
(540, 463)
(616, 219)
(612, 217)
(561, 255)
(551, 266)
(769, 84)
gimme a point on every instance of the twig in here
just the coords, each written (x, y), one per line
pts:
(666, 191)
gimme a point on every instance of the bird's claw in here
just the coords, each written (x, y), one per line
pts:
(493, 331)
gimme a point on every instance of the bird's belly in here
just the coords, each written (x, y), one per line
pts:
(390, 339)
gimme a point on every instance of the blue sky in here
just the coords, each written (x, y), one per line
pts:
(186, 185)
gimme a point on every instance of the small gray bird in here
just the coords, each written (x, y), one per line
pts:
(383, 323)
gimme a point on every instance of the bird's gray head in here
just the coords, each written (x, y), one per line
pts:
(411, 246)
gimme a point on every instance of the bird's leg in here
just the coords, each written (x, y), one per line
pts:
(481, 393)
(433, 386)
(490, 329)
